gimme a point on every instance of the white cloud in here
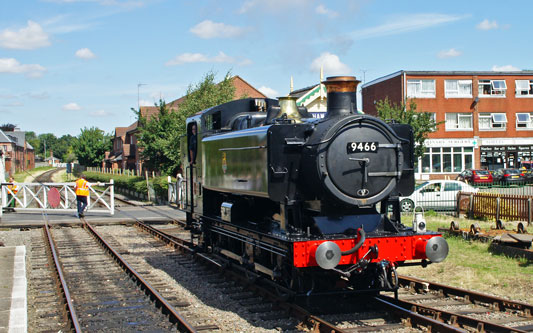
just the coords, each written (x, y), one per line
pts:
(71, 107)
(487, 25)
(85, 53)
(405, 23)
(322, 10)
(268, 92)
(28, 38)
(208, 29)
(331, 63)
(11, 65)
(221, 57)
(451, 53)
(100, 113)
(187, 58)
(505, 68)
(144, 102)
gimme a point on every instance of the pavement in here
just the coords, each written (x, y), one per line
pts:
(25, 219)
(13, 290)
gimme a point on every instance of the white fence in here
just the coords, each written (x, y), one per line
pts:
(34, 197)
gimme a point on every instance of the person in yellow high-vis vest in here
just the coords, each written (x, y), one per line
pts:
(14, 188)
(82, 192)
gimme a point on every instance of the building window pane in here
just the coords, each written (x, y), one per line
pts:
(435, 163)
(425, 163)
(421, 88)
(447, 162)
(457, 162)
(469, 162)
(458, 88)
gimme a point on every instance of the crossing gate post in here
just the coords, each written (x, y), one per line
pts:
(112, 195)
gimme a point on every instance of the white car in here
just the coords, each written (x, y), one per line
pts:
(435, 195)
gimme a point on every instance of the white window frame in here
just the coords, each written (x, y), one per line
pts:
(457, 117)
(526, 124)
(498, 121)
(496, 88)
(419, 91)
(456, 93)
(524, 88)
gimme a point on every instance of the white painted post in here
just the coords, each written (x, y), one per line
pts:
(112, 195)
(169, 195)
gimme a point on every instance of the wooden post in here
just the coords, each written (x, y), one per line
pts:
(147, 185)
(528, 212)
(497, 208)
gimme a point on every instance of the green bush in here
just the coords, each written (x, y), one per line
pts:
(137, 184)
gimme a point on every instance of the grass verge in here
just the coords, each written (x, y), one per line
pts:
(470, 265)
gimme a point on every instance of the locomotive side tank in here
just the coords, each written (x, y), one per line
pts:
(310, 203)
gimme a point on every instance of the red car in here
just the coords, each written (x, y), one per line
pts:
(475, 177)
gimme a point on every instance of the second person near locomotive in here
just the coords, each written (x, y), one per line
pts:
(312, 204)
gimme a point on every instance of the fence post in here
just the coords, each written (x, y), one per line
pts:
(471, 206)
(497, 208)
(112, 195)
(528, 212)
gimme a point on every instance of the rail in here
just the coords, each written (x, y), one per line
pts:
(35, 197)
(69, 306)
(495, 205)
(161, 302)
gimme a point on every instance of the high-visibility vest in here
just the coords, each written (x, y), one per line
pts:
(82, 187)
(14, 188)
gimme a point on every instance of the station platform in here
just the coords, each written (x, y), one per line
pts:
(21, 219)
(13, 290)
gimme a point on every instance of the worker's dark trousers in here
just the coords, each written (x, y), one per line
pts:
(82, 203)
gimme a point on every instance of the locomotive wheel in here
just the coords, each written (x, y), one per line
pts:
(407, 205)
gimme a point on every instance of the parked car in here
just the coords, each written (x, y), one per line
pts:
(508, 176)
(528, 174)
(475, 177)
(439, 195)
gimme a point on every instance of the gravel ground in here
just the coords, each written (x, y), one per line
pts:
(211, 302)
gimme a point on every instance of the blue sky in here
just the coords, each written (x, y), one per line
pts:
(69, 64)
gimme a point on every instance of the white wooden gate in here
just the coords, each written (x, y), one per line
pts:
(34, 197)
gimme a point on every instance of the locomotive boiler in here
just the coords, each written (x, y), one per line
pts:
(309, 203)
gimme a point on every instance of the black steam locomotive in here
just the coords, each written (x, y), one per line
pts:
(309, 203)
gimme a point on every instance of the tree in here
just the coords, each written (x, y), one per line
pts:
(91, 145)
(156, 136)
(422, 122)
(203, 95)
(159, 137)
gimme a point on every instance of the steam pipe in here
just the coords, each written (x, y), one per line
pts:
(362, 237)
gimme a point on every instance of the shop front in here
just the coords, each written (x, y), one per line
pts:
(445, 157)
(505, 153)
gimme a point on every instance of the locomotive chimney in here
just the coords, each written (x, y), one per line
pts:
(342, 100)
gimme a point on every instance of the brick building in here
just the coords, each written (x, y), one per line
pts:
(126, 153)
(487, 116)
(19, 154)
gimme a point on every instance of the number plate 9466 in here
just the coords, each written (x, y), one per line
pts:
(362, 147)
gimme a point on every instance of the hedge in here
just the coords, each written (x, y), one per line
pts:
(137, 184)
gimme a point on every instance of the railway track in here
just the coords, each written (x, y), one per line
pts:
(420, 304)
(106, 292)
